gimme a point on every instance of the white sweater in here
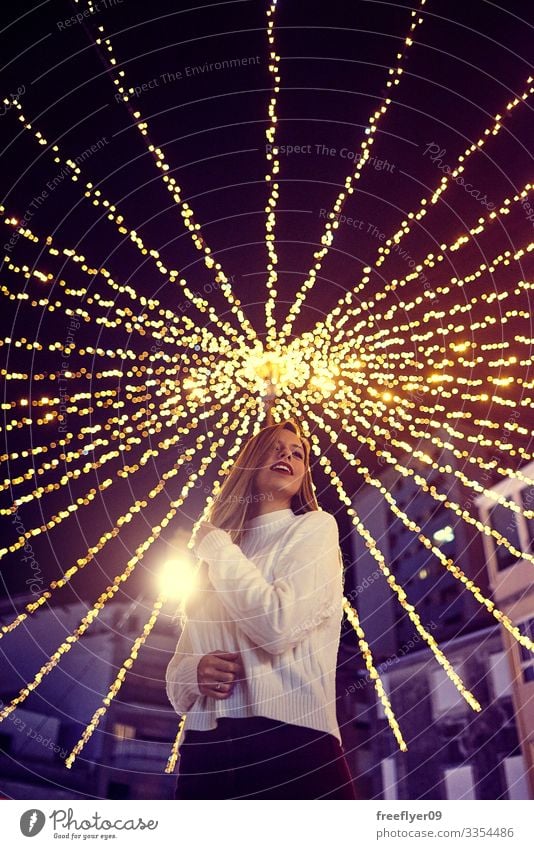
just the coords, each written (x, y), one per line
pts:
(277, 600)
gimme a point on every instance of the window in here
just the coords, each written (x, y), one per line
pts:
(123, 732)
(450, 735)
(516, 778)
(505, 522)
(526, 656)
(459, 782)
(499, 671)
(389, 778)
(444, 693)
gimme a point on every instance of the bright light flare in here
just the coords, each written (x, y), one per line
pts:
(177, 579)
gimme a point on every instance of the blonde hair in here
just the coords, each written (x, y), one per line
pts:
(231, 506)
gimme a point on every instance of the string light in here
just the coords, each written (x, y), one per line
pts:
(175, 751)
(361, 158)
(117, 683)
(383, 369)
(351, 612)
(414, 527)
(395, 240)
(272, 152)
(111, 590)
(379, 557)
(112, 214)
(188, 218)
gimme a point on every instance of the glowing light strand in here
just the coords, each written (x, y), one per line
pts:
(332, 224)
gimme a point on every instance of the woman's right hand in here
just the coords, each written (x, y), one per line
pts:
(220, 668)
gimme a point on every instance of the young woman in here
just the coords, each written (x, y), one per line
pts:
(255, 665)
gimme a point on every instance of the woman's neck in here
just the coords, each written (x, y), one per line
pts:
(260, 508)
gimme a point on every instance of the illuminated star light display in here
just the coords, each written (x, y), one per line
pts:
(374, 370)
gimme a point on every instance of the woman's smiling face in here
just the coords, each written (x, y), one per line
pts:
(282, 472)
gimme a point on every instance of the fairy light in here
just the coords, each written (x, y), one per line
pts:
(395, 72)
(119, 680)
(188, 218)
(379, 557)
(351, 612)
(97, 199)
(111, 590)
(120, 316)
(414, 527)
(175, 753)
(431, 260)
(458, 169)
(353, 618)
(134, 509)
(405, 228)
(469, 483)
(240, 436)
(270, 178)
(117, 683)
(385, 367)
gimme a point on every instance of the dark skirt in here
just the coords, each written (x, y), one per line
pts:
(260, 758)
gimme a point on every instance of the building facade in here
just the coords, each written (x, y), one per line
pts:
(126, 756)
(453, 751)
(440, 599)
(512, 584)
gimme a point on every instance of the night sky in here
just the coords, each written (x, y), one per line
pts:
(468, 61)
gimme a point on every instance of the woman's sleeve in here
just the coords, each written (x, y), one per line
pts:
(307, 587)
(181, 675)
